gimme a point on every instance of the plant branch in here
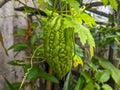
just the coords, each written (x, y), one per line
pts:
(98, 12)
(94, 4)
(36, 10)
(2, 2)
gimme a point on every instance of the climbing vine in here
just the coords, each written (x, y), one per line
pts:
(61, 45)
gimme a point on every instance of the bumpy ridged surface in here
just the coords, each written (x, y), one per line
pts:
(58, 46)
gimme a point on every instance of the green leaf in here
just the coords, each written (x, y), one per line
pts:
(37, 72)
(87, 19)
(35, 25)
(92, 66)
(85, 35)
(67, 82)
(33, 39)
(105, 2)
(114, 72)
(83, 17)
(69, 22)
(16, 86)
(79, 84)
(2, 43)
(10, 86)
(102, 76)
(114, 4)
(41, 2)
(106, 87)
(17, 63)
(79, 51)
(86, 75)
(89, 86)
(74, 4)
(20, 32)
(19, 47)
(49, 2)
(97, 86)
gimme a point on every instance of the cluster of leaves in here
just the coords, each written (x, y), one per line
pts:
(91, 76)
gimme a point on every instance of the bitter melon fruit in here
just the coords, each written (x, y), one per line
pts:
(58, 46)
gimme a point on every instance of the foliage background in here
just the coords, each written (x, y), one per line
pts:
(13, 75)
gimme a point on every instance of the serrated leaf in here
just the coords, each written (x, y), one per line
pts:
(105, 2)
(85, 36)
(81, 17)
(2, 43)
(19, 47)
(67, 82)
(106, 87)
(88, 19)
(37, 72)
(114, 4)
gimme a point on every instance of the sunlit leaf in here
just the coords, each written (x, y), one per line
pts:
(49, 2)
(106, 87)
(88, 19)
(85, 36)
(105, 2)
(69, 22)
(114, 4)
(83, 17)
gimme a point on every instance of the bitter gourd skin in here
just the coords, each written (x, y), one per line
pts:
(58, 46)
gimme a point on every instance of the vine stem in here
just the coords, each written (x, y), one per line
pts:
(29, 69)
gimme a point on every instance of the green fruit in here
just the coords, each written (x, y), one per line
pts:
(59, 40)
